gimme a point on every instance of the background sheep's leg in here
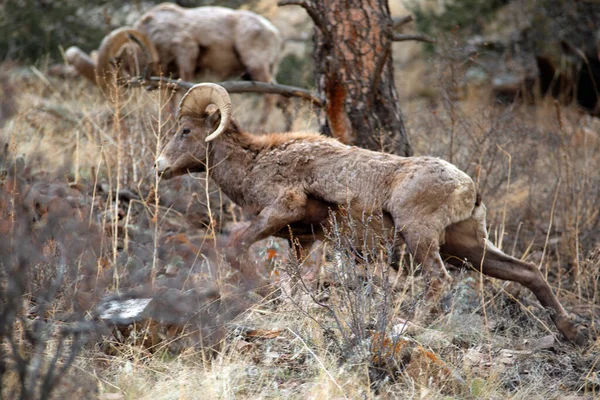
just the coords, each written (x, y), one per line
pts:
(261, 73)
(284, 104)
(467, 241)
(187, 58)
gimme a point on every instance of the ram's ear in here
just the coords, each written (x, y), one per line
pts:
(234, 127)
(213, 117)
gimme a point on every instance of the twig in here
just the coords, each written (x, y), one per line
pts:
(319, 361)
(321, 304)
(549, 229)
(378, 70)
(301, 3)
(235, 87)
(309, 6)
(402, 37)
(509, 157)
(399, 21)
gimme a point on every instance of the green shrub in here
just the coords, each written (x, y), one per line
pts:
(470, 15)
(296, 71)
(31, 29)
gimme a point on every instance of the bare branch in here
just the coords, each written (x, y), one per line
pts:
(261, 87)
(378, 70)
(399, 21)
(298, 39)
(309, 6)
(401, 37)
(301, 3)
(235, 87)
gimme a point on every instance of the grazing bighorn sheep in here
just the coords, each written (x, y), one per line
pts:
(218, 40)
(121, 45)
(291, 180)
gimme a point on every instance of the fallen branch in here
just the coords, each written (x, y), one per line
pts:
(154, 82)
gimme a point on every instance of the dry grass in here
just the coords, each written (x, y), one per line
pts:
(536, 166)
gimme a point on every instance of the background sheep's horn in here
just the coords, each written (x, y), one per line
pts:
(110, 47)
(201, 96)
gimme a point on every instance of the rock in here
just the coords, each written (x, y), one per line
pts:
(506, 81)
(111, 396)
(476, 75)
(172, 268)
(507, 86)
(435, 340)
(405, 327)
(510, 357)
(546, 342)
(124, 194)
(151, 318)
(475, 359)
(464, 299)
(124, 312)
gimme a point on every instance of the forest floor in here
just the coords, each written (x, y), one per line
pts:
(86, 189)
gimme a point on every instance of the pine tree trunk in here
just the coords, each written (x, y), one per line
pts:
(354, 72)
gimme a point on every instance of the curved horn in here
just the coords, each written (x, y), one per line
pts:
(110, 47)
(200, 96)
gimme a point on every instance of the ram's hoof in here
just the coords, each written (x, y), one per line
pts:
(581, 337)
(575, 332)
(584, 335)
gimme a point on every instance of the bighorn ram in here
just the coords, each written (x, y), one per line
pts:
(290, 180)
(185, 41)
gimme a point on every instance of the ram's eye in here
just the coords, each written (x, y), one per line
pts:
(185, 132)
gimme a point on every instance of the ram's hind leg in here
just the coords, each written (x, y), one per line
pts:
(466, 240)
(423, 244)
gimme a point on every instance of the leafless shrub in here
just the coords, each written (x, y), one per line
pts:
(48, 260)
(361, 292)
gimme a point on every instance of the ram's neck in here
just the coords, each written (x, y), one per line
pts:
(229, 162)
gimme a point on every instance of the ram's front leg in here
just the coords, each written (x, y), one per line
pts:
(288, 207)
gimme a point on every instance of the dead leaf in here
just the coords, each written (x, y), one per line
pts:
(271, 254)
(263, 333)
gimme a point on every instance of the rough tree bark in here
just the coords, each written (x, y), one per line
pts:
(355, 74)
